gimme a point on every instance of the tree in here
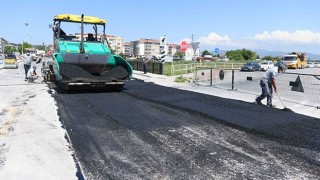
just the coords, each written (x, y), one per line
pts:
(205, 52)
(179, 54)
(240, 55)
(10, 49)
(24, 45)
(277, 58)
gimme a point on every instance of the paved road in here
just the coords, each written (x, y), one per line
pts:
(155, 132)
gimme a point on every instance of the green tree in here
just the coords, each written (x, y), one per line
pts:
(24, 46)
(9, 49)
(240, 55)
(179, 54)
(276, 58)
(205, 52)
(234, 55)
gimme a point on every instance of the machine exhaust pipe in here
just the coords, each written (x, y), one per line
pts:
(81, 43)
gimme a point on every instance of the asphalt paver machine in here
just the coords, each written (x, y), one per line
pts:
(84, 60)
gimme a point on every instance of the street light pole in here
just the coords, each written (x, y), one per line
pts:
(26, 24)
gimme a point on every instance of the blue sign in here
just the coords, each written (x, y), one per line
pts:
(216, 50)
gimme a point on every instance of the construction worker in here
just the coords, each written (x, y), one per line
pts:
(145, 65)
(32, 74)
(27, 58)
(267, 81)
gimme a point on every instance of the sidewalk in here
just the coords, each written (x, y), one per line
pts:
(169, 81)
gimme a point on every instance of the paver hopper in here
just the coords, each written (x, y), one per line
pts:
(84, 60)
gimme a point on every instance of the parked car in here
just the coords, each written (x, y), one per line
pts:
(281, 62)
(265, 65)
(316, 64)
(310, 65)
(251, 66)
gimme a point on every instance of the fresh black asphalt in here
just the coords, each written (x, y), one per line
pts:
(149, 131)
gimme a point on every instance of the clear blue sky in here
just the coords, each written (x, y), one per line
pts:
(285, 25)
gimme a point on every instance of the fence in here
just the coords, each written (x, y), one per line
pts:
(294, 87)
(152, 66)
(177, 69)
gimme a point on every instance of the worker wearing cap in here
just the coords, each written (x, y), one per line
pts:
(267, 81)
(27, 58)
(32, 74)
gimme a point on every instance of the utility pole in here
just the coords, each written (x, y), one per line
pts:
(26, 24)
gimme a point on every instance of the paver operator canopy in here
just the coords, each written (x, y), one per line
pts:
(85, 58)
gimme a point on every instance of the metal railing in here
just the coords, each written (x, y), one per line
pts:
(294, 87)
(178, 69)
(152, 66)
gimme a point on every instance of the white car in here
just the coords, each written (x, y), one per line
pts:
(265, 65)
(316, 64)
(310, 65)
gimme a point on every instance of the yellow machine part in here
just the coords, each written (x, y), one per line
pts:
(77, 18)
(10, 64)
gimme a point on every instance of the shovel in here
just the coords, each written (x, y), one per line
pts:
(285, 108)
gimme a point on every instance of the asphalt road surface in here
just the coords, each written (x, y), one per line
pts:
(153, 132)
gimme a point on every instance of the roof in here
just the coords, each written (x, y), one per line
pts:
(77, 18)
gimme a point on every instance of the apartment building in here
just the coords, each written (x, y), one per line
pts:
(173, 49)
(115, 43)
(3, 42)
(127, 49)
(145, 47)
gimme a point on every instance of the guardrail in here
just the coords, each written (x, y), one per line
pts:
(178, 69)
(294, 87)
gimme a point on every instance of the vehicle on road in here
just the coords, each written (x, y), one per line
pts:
(250, 66)
(295, 60)
(265, 65)
(10, 61)
(310, 65)
(84, 60)
(317, 64)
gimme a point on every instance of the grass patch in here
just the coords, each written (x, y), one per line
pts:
(181, 79)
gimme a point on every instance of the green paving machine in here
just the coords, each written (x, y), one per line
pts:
(84, 60)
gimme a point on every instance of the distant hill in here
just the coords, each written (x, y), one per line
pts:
(262, 53)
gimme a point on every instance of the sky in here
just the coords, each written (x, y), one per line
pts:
(273, 25)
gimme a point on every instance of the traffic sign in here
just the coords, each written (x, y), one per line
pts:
(216, 50)
(184, 46)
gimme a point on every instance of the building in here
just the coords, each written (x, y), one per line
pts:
(127, 49)
(3, 42)
(115, 43)
(173, 49)
(146, 47)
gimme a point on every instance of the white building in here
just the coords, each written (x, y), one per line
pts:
(116, 43)
(3, 42)
(127, 49)
(146, 47)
